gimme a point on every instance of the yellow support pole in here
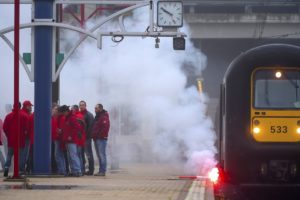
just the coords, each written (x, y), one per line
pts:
(200, 85)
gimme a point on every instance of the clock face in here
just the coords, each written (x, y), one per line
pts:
(169, 13)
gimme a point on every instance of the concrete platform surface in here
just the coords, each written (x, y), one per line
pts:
(130, 182)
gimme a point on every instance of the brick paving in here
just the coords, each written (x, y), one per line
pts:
(131, 182)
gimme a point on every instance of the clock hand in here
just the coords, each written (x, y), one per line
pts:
(163, 9)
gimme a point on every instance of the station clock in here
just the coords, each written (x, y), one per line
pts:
(169, 13)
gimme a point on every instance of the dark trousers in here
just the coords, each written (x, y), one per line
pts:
(53, 161)
(29, 162)
(67, 161)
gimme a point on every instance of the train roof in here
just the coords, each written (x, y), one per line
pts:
(284, 55)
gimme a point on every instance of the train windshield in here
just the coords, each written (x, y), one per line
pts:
(277, 89)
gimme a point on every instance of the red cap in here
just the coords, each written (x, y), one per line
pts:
(27, 103)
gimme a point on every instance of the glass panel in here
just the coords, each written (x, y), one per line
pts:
(277, 89)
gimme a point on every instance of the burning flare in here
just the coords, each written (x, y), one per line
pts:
(214, 175)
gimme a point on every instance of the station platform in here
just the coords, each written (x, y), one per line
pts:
(138, 181)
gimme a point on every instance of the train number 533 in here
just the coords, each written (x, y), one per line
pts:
(278, 129)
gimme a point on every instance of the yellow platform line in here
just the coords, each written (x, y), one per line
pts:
(196, 191)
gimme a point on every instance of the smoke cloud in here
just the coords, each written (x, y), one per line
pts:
(155, 116)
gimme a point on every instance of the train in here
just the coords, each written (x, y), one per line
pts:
(258, 125)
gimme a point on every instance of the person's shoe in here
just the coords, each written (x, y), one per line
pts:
(100, 174)
(77, 174)
(89, 173)
(5, 172)
(70, 174)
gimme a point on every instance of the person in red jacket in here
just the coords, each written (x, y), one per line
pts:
(87, 150)
(71, 131)
(9, 128)
(82, 137)
(100, 135)
(28, 150)
(60, 123)
(57, 140)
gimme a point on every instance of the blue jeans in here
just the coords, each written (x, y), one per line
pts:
(2, 160)
(89, 154)
(59, 158)
(25, 154)
(100, 146)
(79, 152)
(9, 156)
(73, 158)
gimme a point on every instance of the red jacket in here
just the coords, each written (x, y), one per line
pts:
(82, 137)
(54, 127)
(60, 122)
(9, 128)
(71, 129)
(101, 125)
(30, 117)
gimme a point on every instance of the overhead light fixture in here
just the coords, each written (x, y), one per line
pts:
(178, 43)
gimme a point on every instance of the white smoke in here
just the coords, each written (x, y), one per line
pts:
(159, 118)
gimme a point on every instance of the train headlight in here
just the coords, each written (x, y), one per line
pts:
(256, 130)
(278, 74)
(298, 130)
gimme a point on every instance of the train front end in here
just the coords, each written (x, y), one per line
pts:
(275, 120)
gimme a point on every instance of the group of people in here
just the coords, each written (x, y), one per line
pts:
(73, 130)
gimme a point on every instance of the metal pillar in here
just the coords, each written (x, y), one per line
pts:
(16, 89)
(43, 88)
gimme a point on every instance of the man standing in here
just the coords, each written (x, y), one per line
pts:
(56, 137)
(28, 150)
(71, 129)
(9, 128)
(81, 139)
(100, 135)
(88, 119)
